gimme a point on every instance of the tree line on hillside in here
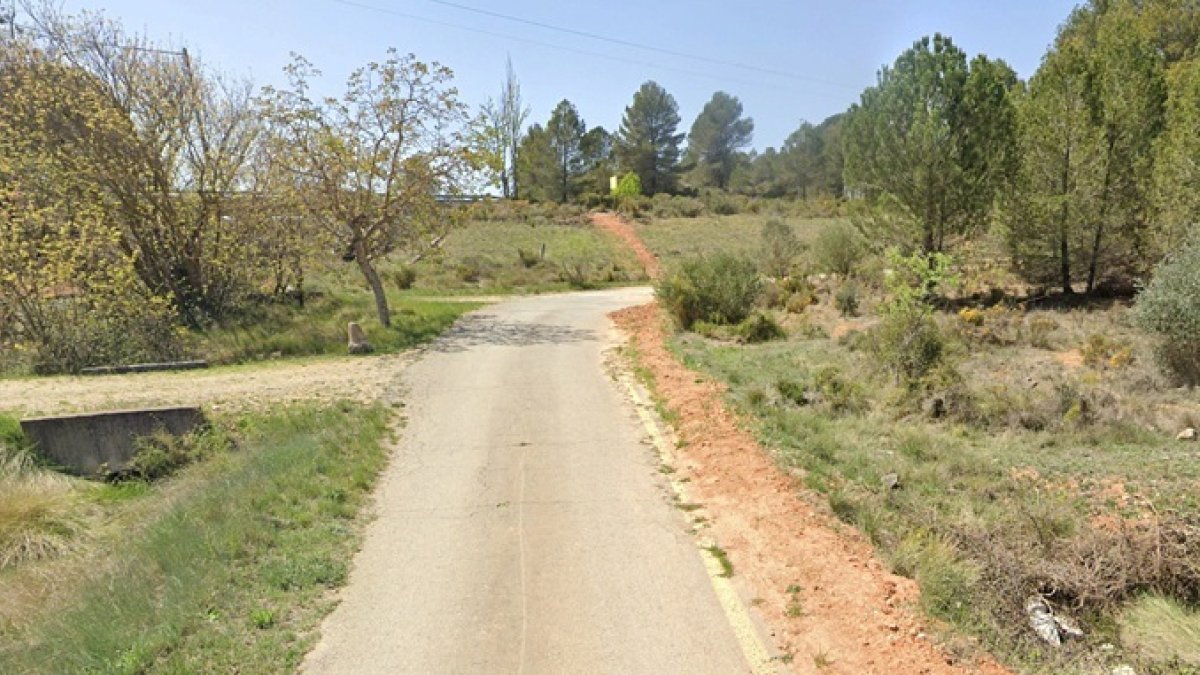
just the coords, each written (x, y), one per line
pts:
(563, 160)
(1088, 170)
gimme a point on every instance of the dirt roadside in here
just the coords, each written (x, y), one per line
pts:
(250, 387)
(828, 600)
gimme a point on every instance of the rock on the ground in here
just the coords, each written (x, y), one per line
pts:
(1188, 434)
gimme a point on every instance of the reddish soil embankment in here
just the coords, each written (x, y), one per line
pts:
(850, 614)
(829, 601)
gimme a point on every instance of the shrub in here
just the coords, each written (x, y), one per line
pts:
(760, 327)
(1040, 330)
(720, 289)
(471, 269)
(630, 185)
(528, 259)
(1101, 351)
(11, 436)
(908, 340)
(404, 277)
(779, 248)
(841, 394)
(1169, 310)
(837, 249)
(846, 299)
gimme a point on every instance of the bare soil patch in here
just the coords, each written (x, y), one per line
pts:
(829, 601)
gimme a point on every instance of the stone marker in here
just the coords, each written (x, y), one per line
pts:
(357, 340)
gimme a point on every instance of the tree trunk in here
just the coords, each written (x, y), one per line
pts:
(372, 277)
(1064, 248)
(1105, 195)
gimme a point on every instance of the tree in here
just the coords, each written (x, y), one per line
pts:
(1131, 95)
(537, 166)
(369, 166)
(717, 138)
(914, 142)
(171, 150)
(647, 142)
(68, 290)
(1176, 170)
(566, 131)
(597, 149)
(1057, 193)
(497, 131)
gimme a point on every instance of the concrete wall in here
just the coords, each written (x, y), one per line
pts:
(91, 444)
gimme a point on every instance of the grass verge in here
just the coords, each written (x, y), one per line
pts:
(226, 567)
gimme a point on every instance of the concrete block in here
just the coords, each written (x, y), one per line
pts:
(97, 443)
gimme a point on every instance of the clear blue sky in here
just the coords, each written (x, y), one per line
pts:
(831, 49)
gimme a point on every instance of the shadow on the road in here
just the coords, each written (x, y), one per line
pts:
(486, 330)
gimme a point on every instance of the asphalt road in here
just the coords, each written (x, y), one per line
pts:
(523, 526)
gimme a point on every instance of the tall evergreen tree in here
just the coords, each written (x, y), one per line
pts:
(566, 132)
(648, 142)
(913, 141)
(717, 138)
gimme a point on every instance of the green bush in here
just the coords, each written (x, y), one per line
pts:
(720, 289)
(846, 299)
(780, 247)
(908, 341)
(11, 435)
(837, 249)
(404, 277)
(1169, 310)
(760, 327)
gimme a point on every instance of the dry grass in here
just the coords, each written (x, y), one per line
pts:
(1163, 630)
(40, 516)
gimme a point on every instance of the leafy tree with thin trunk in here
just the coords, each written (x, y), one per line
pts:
(496, 133)
(648, 141)
(172, 156)
(369, 166)
(717, 139)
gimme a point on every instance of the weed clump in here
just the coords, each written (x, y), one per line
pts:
(162, 454)
(760, 327)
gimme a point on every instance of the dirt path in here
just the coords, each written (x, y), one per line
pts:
(231, 388)
(523, 525)
(611, 222)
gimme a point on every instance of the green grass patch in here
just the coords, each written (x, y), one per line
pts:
(226, 567)
(319, 328)
(519, 257)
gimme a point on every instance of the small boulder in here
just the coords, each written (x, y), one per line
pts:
(891, 481)
(1188, 434)
(357, 340)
